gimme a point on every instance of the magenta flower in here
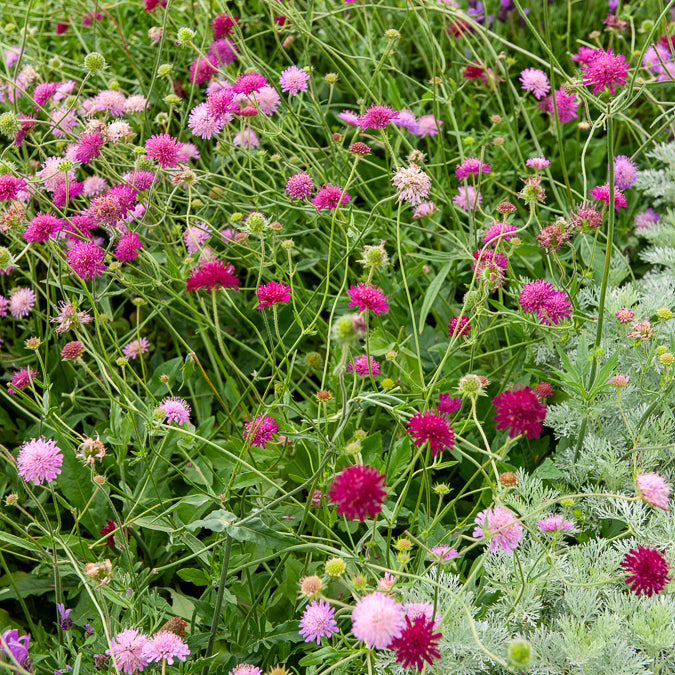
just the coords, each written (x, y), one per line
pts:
(299, 186)
(21, 379)
(358, 492)
(175, 410)
(330, 197)
(367, 296)
(42, 227)
(293, 80)
(417, 644)
(377, 620)
(363, 366)
(535, 81)
(135, 348)
(647, 570)
(10, 186)
(625, 172)
(502, 528)
(89, 147)
(112, 206)
(223, 25)
(248, 83)
(39, 460)
(447, 405)
(498, 231)
(653, 489)
(549, 304)
(273, 293)
(431, 426)
(520, 411)
(43, 92)
(211, 275)
(377, 117)
(459, 325)
(565, 104)
(471, 165)
(85, 259)
(128, 246)
(163, 148)
(127, 651)
(601, 193)
(260, 429)
(605, 69)
(538, 163)
(165, 646)
(317, 621)
(203, 69)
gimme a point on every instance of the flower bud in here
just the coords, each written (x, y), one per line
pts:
(519, 653)
(185, 35)
(94, 62)
(335, 567)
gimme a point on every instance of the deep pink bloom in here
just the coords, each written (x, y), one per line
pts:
(501, 526)
(21, 379)
(10, 186)
(471, 165)
(42, 227)
(653, 489)
(220, 103)
(459, 325)
(358, 492)
(64, 192)
(317, 621)
(294, 80)
(165, 646)
(39, 460)
(585, 55)
(78, 227)
(647, 570)
(163, 148)
(601, 193)
(447, 405)
(127, 651)
(520, 411)
(71, 350)
(222, 25)
(85, 259)
(431, 426)
(605, 69)
(113, 205)
(299, 186)
(246, 84)
(89, 147)
(488, 258)
(498, 231)
(43, 92)
(330, 197)
(141, 180)
(549, 304)
(377, 117)
(260, 429)
(554, 523)
(213, 274)
(175, 410)
(128, 246)
(363, 366)
(538, 163)
(367, 296)
(225, 50)
(377, 619)
(202, 69)
(417, 643)
(565, 104)
(272, 293)
(536, 81)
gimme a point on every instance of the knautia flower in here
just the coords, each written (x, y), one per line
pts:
(42, 227)
(377, 619)
(501, 527)
(16, 647)
(520, 411)
(647, 570)
(165, 646)
(538, 163)
(653, 489)
(273, 293)
(498, 231)
(364, 365)
(586, 217)
(175, 410)
(128, 246)
(126, 650)
(641, 330)
(21, 302)
(447, 405)
(424, 209)
(39, 460)
(259, 430)
(601, 193)
(412, 183)
(367, 296)
(10, 186)
(311, 585)
(377, 117)
(112, 206)
(195, 236)
(211, 275)
(406, 119)
(136, 347)
(69, 317)
(222, 25)
(625, 172)
(549, 304)
(163, 148)
(565, 105)
(442, 552)
(646, 219)
(535, 81)
(71, 350)
(245, 669)
(459, 325)
(428, 125)
(203, 123)
(555, 523)
(433, 427)
(330, 197)
(247, 83)
(471, 165)
(299, 186)
(358, 492)
(317, 621)
(418, 643)
(293, 80)
(467, 198)
(605, 69)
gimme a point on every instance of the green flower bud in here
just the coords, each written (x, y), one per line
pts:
(94, 62)
(9, 124)
(185, 35)
(519, 653)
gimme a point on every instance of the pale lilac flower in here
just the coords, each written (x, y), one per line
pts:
(175, 410)
(625, 172)
(94, 185)
(135, 104)
(39, 461)
(267, 100)
(127, 651)
(501, 527)
(349, 117)
(205, 125)
(293, 80)
(195, 236)
(247, 139)
(467, 198)
(136, 347)
(21, 301)
(317, 621)
(443, 552)
(536, 81)
(165, 646)
(406, 119)
(245, 669)
(428, 125)
(555, 523)
(424, 209)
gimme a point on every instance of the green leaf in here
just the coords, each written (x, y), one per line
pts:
(432, 292)
(194, 576)
(216, 521)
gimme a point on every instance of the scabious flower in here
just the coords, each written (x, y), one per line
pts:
(653, 489)
(586, 217)
(501, 526)
(555, 523)
(625, 172)
(407, 120)
(39, 460)
(136, 347)
(542, 298)
(641, 330)
(21, 379)
(85, 259)
(245, 669)
(213, 274)
(377, 117)
(89, 147)
(417, 643)
(443, 552)
(71, 350)
(165, 646)
(128, 246)
(427, 125)
(646, 219)
(497, 231)
(412, 183)
(267, 99)
(459, 325)
(358, 492)
(520, 411)
(112, 206)
(222, 25)
(247, 139)
(299, 186)
(471, 165)
(195, 236)
(248, 83)
(431, 426)
(447, 405)
(10, 186)
(349, 117)
(175, 410)
(17, 646)
(260, 429)
(204, 123)
(317, 621)
(601, 193)
(202, 69)
(21, 301)
(367, 296)
(424, 209)
(647, 570)
(536, 81)
(362, 365)
(330, 197)
(42, 227)
(377, 619)
(565, 105)
(126, 649)
(467, 198)
(164, 149)
(293, 80)
(605, 69)
(272, 293)
(538, 163)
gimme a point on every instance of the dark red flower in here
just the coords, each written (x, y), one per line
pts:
(109, 528)
(433, 427)
(459, 325)
(222, 25)
(520, 411)
(647, 570)
(213, 274)
(358, 492)
(417, 643)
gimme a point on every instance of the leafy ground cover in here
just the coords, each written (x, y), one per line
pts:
(337, 337)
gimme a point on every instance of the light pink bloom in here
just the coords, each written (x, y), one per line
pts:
(653, 489)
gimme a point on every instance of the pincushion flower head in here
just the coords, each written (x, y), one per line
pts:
(555, 523)
(10, 186)
(21, 301)
(273, 293)
(126, 650)
(377, 619)
(605, 69)
(293, 80)
(128, 246)
(299, 186)
(211, 275)
(459, 325)
(260, 429)
(317, 621)
(497, 232)
(431, 426)
(412, 183)
(39, 461)
(377, 117)
(501, 526)
(601, 193)
(164, 148)
(364, 365)
(653, 489)
(565, 105)
(471, 165)
(175, 409)
(42, 227)
(358, 492)
(520, 411)
(549, 304)
(535, 81)
(245, 669)
(367, 296)
(418, 643)
(135, 348)
(467, 198)
(647, 570)
(248, 83)
(330, 197)
(165, 646)
(625, 172)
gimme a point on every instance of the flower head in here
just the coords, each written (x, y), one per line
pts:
(417, 643)
(163, 148)
(358, 492)
(443, 552)
(431, 426)
(21, 301)
(497, 232)
(554, 523)
(245, 669)
(412, 183)
(459, 325)
(260, 429)
(222, 25)
(549, 304)
(502, 528)
(42, 227)
(293, 80)
(17, 646)
(646, 219)
(538, 163)
(467, 198)
(299, 186)
(565, 105)
(272, 293)
(377, 117)
(39, 460)
(363, 365)
(447, 405)
(601, 193)
(175, 410)
(520, 411)
(126, 649)
(10, 186)
(85, 259)
(317, 621)
(427, 125)
(248, 83)
(204, 123)
(165, 646)
(21, 379)
(653, 489)
(625, 172)
(377, 619)
(536, 81)
(647, 570)
(604, 69)
(128, 246)
(471, 165)
(211, 275)
(136, 347)
(330, 197)
(366, 296)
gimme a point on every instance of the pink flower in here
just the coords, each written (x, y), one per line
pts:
(21, 301)
(293, 80)
(222, 25)
(549, 304)
(647, 570)
(272, 293)
(141, 180)
(21, 379)
(203, 69)
(467, 198)
(377, 117)
(195, 236)
(112, 206)
(565, 104)
(165, 646)
(299, 186)
(625, 315)
(443, 552)
(601, 193)
(605, 69)
(317, 621)
(377, 620)
(126, 649)
(646, 219)
(39, 461)
(128, 246)
(538, 163)
(10, 186)
(42, 227)
(211, 275)
(653, 489)
(164, 149)
(349, 117)
(175, 410)
(267, 100)
(85, 259)
(447, 405)
(43, 92)
(247, 139)
(367, 296)
(498, 231)
(245, 669)
(417, 644)
(520, 411)
(330, 197)
(625, 172)
(407, 120)
(424, 209)
(358, 491)
(536, 81)
(459, 325)
(363, 366)
(413, 184)
(260, 429)
(89, 147)
(554, 523)
(502, 528)
(428, 125)
(249, 83)
(204, 124)
(136, 347)
(471, 165)
(431, 426)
